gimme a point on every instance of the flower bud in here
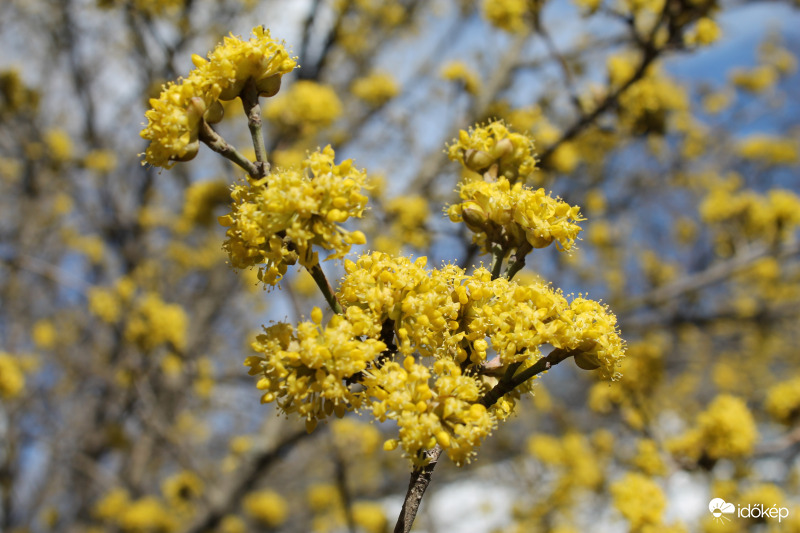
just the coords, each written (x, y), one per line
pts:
(195, 111)
(474, 216)
(214, 113)
(198, 60)
(290, 257)
(502, 148)
(269, 86)
(189, 153)
(587, 361)
(311, 423)
(229, 93)
(477, 160)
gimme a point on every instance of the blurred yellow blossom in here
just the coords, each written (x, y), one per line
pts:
(376, 89)
(306, 106)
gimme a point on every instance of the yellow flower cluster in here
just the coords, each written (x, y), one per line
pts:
(267, 507)
(325, 502)
(510, 216)
(756, 79)
(446, 413)
(479, 149)
(108, 303)
(367, 22)
(705, 32)
(640, 500)
(407, 215)
(508, 15)
(154, 322)
(643, 368)
(305, 369)
(175, 117)
(200, 200)
(101, 161)
(755, 215)
(44, 334)
(306, 106)
(578, 460)
(12, 378)
(725, 430)
(647, 104)
(59, 144)
(446, 313)
(15, 96)
(460, 72)
(376, 89)
(440, 313)
(277, 220)
(648, 458)
(133, 516)
(182, 489)
(770, 149)
(783, 401)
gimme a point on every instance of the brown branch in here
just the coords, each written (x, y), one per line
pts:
(214, 140)
(583, 122)
(420, 479)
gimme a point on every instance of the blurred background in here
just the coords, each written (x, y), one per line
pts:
(124, 402)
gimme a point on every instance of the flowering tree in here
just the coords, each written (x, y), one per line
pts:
(413, 308)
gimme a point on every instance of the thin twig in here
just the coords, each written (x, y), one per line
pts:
(420, 479)
(214, 140)
(252, 109)
(322, 282)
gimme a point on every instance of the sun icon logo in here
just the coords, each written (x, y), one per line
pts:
(719, 508)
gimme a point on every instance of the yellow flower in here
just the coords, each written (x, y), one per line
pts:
(277, 221)
(111, 506)
(756, 79)
(182, 488)
(783, 401)
(304, 369)
(513, 216)
(376, 89)
(147, 514)
(648, 459)
(306, 105)
(640, 500)
(200, 200)
(705, 32)
(174, 118)
(508, 15)
(154, 322)
(446, 413)
(370, 517)
(460, 72)
(12, 379)
(770, 149)
(59, 145)
(44, 334)
(495, 144)
(102, 161)
(725, 430)
(266, 506)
